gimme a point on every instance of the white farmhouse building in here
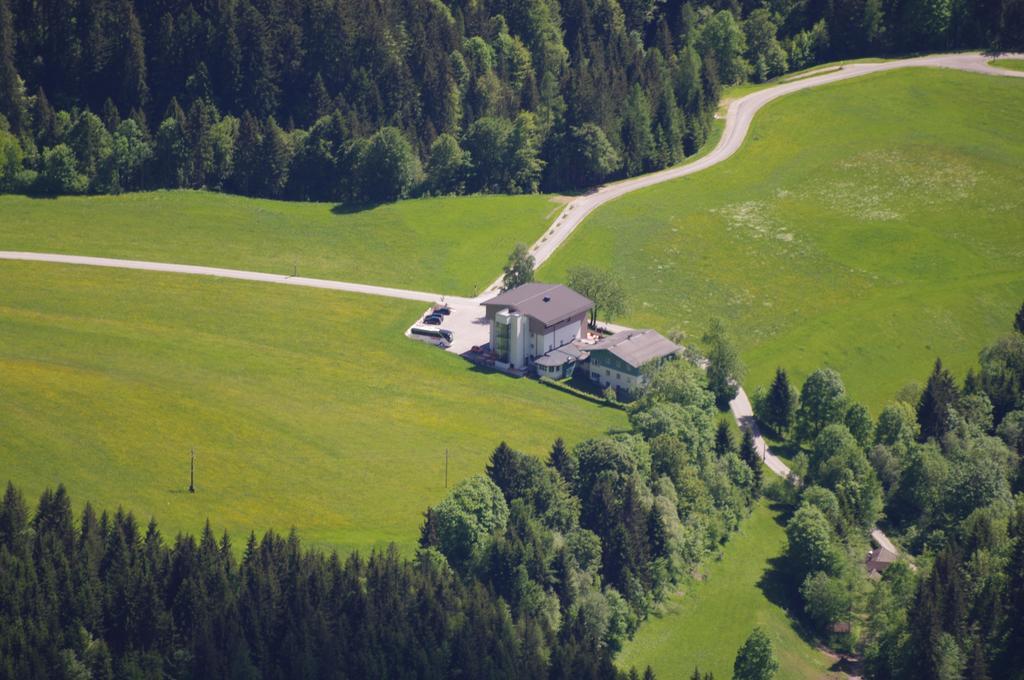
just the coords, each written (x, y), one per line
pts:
(619, 361)
(537, 320)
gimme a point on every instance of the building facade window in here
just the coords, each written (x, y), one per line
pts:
(501, 341)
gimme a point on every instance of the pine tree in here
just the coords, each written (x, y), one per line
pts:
(202, 116)
(12, 94)
(44, 120)
(1011, 656)
(939, 395)
(637, 140)
(1018, 321)
(14, 521)
(110, 116)
(781, 402)
(563, 461)
(319, 99)
(502, 467)
(131, 63)
(248, 155)
(198, 85)
(750, 456)
(972, 383)
(725, 442)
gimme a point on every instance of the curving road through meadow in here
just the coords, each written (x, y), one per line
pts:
(740, 115)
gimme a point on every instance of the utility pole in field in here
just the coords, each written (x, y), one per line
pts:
(192, 474)
(446, 468)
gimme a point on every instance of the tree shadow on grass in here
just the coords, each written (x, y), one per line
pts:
(353, 208)
(779, 586)
(785, 450)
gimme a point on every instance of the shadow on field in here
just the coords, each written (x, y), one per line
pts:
(353, 208)
(778, 585)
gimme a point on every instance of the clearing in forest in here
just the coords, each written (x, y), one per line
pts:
(707, 623)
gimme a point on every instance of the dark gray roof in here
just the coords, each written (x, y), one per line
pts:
(561, 355)
(546, 302)
(637, 347)
(879, 559)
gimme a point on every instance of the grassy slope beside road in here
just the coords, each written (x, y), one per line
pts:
(708, 623)
(869, 225)
(307, 408)
(443, 245)
(1012, 64)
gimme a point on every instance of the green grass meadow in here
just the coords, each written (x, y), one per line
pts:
(453, 246)
(1012, 64)
(869, 225)
(307, 408)
(706, 623)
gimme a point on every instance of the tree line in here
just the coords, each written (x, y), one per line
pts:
(943, 465)
(366, 101)
(537, 568)
(101, 596)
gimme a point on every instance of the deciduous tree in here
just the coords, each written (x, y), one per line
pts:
(519, 269)
(603, 288)
(822, 402)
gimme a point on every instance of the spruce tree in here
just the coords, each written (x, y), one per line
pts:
(319, 99)
(1011, 657)
(110, 116)
(1018, 321)
(563, 461)
(131, 61)
(939, 395)
(276, 160)
(248, 155)
(44, 120)
(12, 100)
(725, 442)
(13, 520)
(972, 383)
(781, 402)
(750, 456)
(637, 140)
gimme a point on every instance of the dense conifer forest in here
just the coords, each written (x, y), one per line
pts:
(538, 568)
(367, 100)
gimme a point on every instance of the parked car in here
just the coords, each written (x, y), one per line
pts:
(443, 311)
(433, 319)
(439, 333)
